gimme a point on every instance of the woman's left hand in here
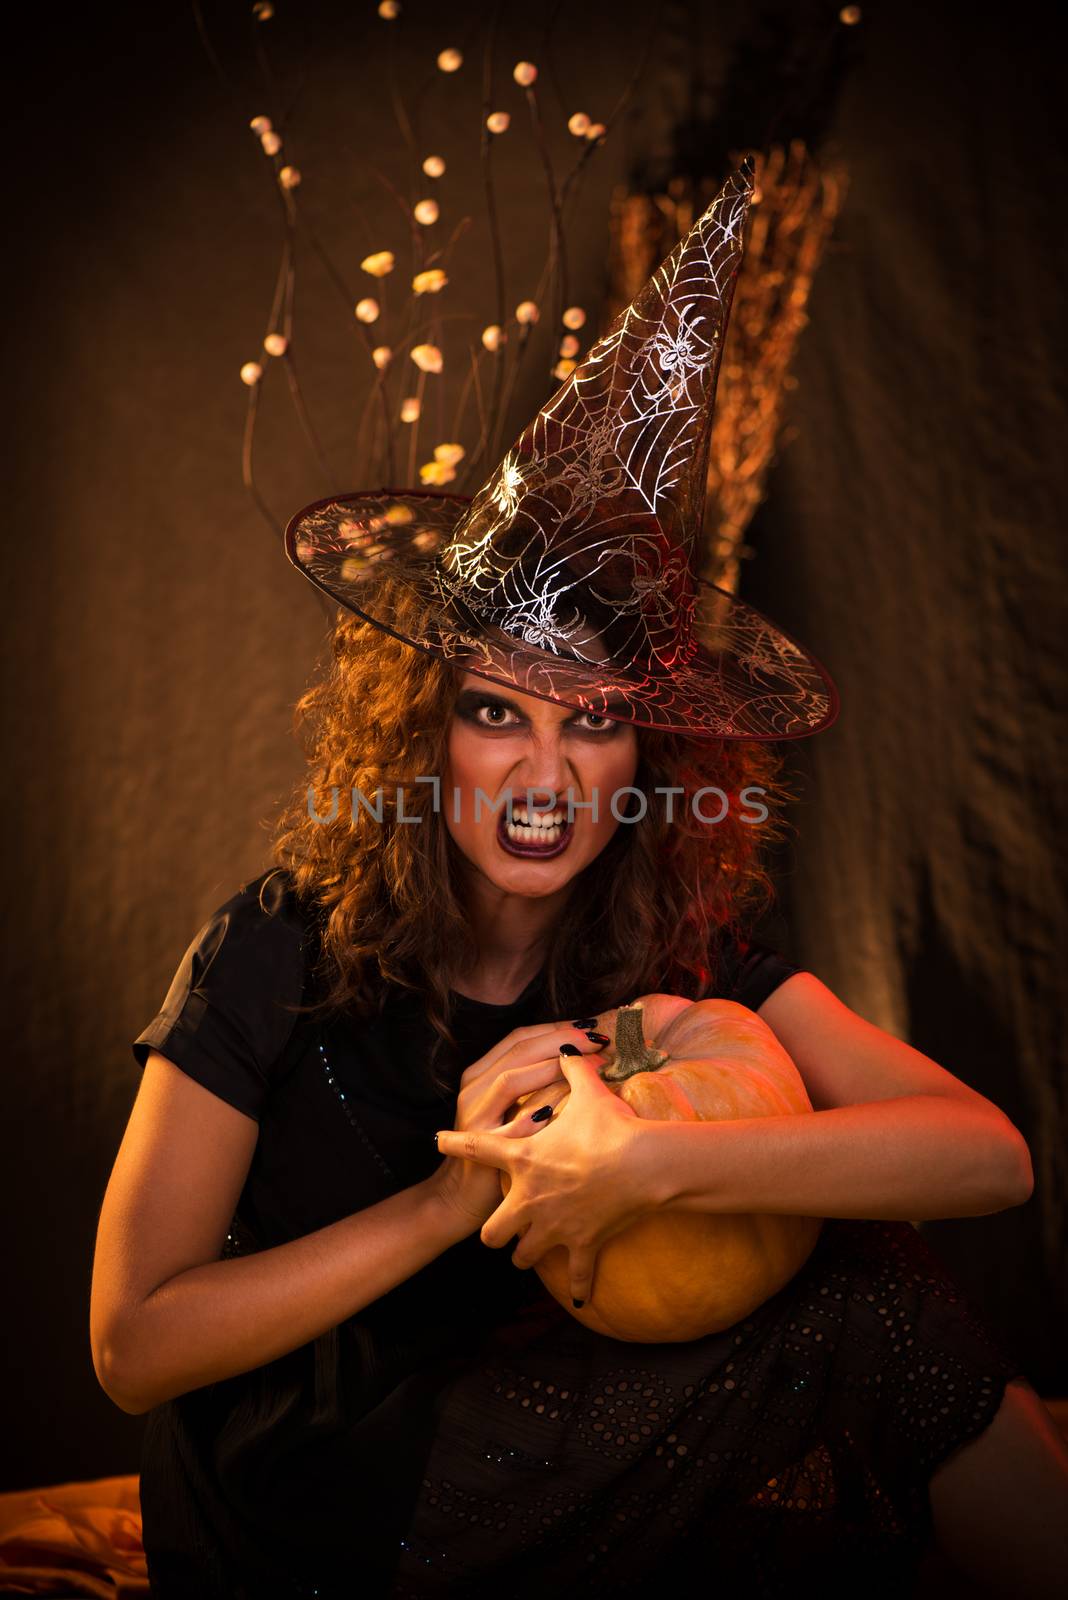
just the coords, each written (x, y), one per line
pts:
(576, 1182)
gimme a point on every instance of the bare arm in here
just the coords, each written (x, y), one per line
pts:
(166, 1315)
(893, 1134)
(907, 1159)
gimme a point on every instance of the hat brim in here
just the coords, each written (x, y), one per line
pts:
(743, 677)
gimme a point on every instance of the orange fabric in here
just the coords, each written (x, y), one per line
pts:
(74, 1539)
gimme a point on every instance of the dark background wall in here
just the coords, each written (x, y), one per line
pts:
(157, 639)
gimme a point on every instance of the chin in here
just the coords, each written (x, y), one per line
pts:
(515, 875)
(533, 878)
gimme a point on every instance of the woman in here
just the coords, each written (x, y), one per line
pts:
(254, 1433)
(348, 1391)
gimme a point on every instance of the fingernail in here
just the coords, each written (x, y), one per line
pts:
(542, 1114)
(598, 1038)
(578, 1304)
(571, 1050)
(435, 1141)
(585, 1022)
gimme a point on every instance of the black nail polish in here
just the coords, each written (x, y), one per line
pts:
(570, 1050)
(585, 1022)
(598, 1038)
(435, 1141)
(542, 1114)
(578, 1304)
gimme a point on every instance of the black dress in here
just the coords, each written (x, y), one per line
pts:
(464, 1434)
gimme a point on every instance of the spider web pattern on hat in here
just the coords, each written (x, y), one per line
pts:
(571, 574)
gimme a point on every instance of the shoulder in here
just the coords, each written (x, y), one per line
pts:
(241, 975)
(749, 970)
(265, 909)
(257, 934)
(230, 1013)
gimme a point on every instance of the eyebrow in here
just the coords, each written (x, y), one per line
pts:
(612, 709)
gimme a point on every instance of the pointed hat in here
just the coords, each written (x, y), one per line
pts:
(571, 573)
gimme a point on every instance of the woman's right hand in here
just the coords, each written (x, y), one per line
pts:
(525, 1061)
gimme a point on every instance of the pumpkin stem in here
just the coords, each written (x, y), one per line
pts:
(632, 1054)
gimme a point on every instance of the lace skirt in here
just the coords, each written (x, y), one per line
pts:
(798, 1443)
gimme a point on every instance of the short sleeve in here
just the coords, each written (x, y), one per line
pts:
(224, 1020)
(752, 971)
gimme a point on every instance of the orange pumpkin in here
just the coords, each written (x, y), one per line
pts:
(678, 1275)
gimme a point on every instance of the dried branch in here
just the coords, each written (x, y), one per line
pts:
(794, 207)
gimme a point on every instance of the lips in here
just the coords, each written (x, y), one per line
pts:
(523, 847)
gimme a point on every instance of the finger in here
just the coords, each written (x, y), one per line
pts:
(528, 1252)
(584, 1076)
(536, 1109)
(582, 1263)
(489, 1147)
(504, 1224)
(482, 1104)
(491, 1103)
(524, 1045)
(517, 1037)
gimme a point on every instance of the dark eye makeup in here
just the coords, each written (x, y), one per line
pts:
(470, 702)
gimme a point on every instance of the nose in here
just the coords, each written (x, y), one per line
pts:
(544, 770)
(541, 792)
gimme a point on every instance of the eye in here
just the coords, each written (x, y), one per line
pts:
(598, 724)
(497, 714)
(493, 714)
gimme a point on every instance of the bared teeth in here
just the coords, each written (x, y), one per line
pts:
(523, 833)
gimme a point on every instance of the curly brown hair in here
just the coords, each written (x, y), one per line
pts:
(647, 914)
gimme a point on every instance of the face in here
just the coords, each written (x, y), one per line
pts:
(500, 740)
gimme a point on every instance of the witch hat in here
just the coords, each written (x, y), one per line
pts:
(571, 574)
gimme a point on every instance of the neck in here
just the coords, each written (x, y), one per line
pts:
(513, 933)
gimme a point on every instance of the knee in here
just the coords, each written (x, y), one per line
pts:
(1000, 1502)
